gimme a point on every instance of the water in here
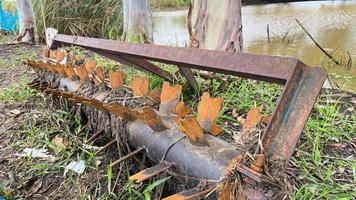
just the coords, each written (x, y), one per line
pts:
(331, 23)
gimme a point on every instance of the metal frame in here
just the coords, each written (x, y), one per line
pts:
(302, 84)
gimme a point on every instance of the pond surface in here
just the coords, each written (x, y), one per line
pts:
(331, 23)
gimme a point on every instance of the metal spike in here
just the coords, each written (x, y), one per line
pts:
(191, 128)
(69, 72)
(151, 119)
(139, 86)
(116, 79)
(169, 98)
(81, 72)
(154, 97)
(90, 64)
(181, 110)
(99, 76)
(208, 112)
(150, 172)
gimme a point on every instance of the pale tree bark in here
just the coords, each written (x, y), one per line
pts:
(215, 24)
(26, 20)
(137, 21)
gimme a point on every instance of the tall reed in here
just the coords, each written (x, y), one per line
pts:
(91, 18)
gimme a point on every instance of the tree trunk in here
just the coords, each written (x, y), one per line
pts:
(26, 20)
(137, 21)
(215, 25)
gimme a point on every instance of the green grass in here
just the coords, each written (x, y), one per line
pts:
(327, 125)
(18, 92)
(6, 37)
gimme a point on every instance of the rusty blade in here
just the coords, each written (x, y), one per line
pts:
(116, 79)
(150, 172)
(154, 97)
(252, 119)
(121, 111)
(81, 72)
(193, 194)
(69, 71)
(99, 76)
(191, 128)
(208, 111)
(169, 98)
(57, 55)
(181, 110)
(139, 86)
(90, 64)
(151, 119)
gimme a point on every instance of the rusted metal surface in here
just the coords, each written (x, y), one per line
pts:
(139, 86)
(116, 79)
(193, 194)
(208, 112)
(137, 62)
(150, 172)
(169, 98)
(302, 83)
(181, 110)
(191, 128)
(181, 139)
(99, 76)
(90, 65)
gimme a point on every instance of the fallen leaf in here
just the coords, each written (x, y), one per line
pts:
(34, 188)
(252, 119)
(59, 144)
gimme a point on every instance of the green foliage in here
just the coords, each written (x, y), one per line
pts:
(92, 18)
(131, 193)
(18, 92)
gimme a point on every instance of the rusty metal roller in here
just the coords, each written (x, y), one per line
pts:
(173, 138)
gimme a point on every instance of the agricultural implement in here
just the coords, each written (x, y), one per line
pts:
(158, 123)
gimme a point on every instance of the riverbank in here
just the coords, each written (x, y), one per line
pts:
(167, 5)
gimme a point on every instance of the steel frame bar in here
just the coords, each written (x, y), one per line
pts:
(302, 84)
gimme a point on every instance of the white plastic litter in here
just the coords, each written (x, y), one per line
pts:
(34, 153)
(76, 166)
